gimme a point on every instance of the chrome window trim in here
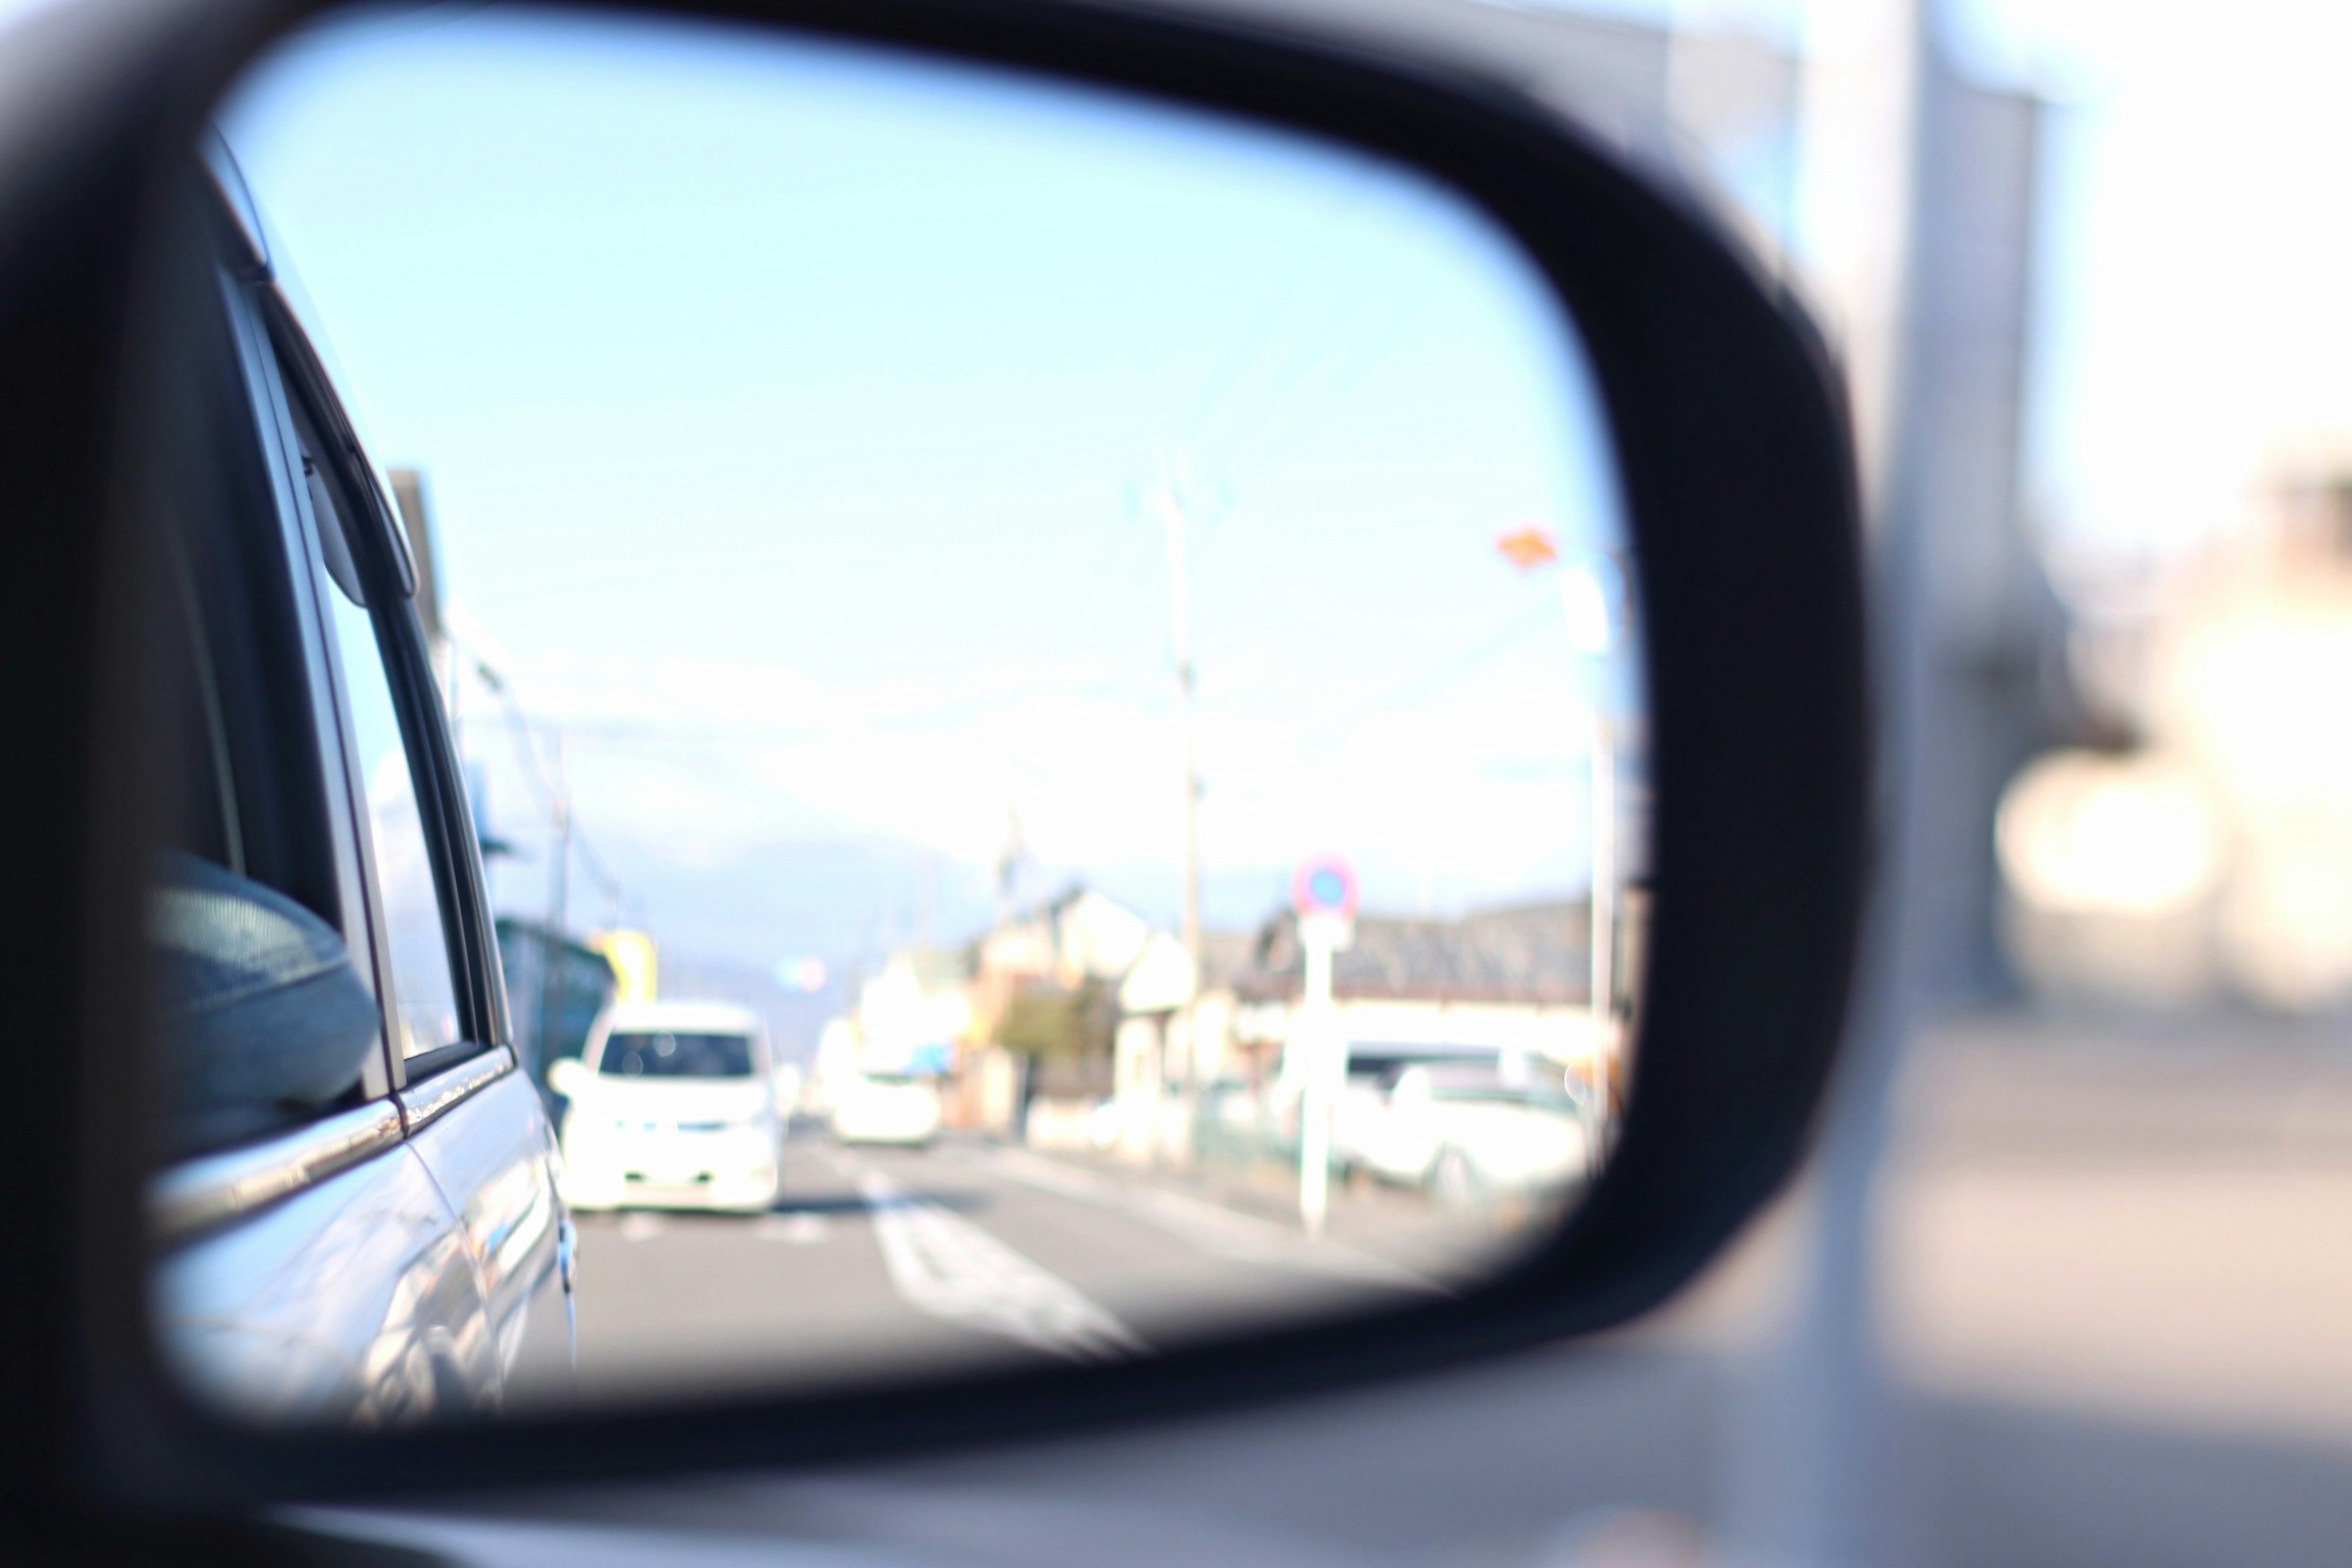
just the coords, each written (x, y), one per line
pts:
(198, 1194)
(422, 1103)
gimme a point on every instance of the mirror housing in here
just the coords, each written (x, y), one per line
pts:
(1730, 438)
(261, 1015)
(569, 1077)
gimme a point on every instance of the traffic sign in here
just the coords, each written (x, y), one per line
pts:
(1530, 547)
(1325, 886)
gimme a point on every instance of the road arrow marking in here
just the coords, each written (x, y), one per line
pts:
(944, 1265)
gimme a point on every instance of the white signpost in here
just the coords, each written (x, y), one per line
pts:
(1324, 895)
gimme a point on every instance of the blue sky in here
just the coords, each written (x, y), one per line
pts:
(797, 422)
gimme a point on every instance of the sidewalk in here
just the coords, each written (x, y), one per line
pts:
(1398, 1225)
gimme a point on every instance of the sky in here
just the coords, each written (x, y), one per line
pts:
(800, 426)
(2194, 316)
(2189, 313)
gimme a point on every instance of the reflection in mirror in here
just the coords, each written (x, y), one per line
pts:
(1044, 688)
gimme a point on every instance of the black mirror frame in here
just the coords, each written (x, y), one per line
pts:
(1731, 440)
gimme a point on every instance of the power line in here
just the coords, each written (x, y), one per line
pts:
(555, 798)
(1434, 681)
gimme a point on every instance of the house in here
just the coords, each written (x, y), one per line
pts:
(914, 1014)
(1493, 983)
(1074, 949)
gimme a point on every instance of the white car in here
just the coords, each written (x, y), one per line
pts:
(1469, 1133)
(884, 1108)
(673, 1106)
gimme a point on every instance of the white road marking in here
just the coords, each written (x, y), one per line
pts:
(800, 1230)
(1213, 1227)
(640, 1227)
(944, 1265)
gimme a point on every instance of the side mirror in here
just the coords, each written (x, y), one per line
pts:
(1676, 421)
(262, 1019)
(569, 1077)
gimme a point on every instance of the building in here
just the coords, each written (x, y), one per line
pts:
(1495, 982)
(915, 1014)
(556, 984)
(1197, 1054)
(1063, 957)
(2208, 852)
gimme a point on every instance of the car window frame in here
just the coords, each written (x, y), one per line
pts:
(321, 724)
(379, 553)
(275, 712)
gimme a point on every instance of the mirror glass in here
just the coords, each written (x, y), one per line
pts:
(1044, 688)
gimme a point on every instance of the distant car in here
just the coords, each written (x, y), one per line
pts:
(886, 1107)
(673, 1106)
(1471, 1133)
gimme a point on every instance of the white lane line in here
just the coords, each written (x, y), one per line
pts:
(944, 1265)
(640, 1227)
(800, 1230)
(1213, 1227)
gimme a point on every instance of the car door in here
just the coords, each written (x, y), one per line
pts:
(374, 1262)
(475, 1122)
(309, 1266)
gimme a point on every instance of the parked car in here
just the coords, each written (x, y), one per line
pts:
(1361, 1107)
(672, 1105)
(1473, 1132)
(886, 1107)
(357, 1217)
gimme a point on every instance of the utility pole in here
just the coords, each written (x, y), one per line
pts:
(1008, 867)
(1172, 514)
(1811, 1477)
(1586, 602)
(557, 796)
(1584, 605)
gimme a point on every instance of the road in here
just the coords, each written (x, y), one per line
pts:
(2113, 1304)
(970, 1253)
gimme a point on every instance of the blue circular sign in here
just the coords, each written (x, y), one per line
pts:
(1325, 887)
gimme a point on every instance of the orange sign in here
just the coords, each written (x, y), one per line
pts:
(1528, 548)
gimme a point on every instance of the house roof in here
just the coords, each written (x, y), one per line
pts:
(1535, 953)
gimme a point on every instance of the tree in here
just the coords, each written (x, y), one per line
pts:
(1057, 1023)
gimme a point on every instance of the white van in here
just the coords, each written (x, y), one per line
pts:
(673, 1106)
(886, 1107)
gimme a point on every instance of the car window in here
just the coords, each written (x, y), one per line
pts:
(408, 901)
(662, 1053)
(207, 824)
(262, 1020)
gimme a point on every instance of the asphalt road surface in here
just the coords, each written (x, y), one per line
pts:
(2113, 1305)
(882, 1260)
